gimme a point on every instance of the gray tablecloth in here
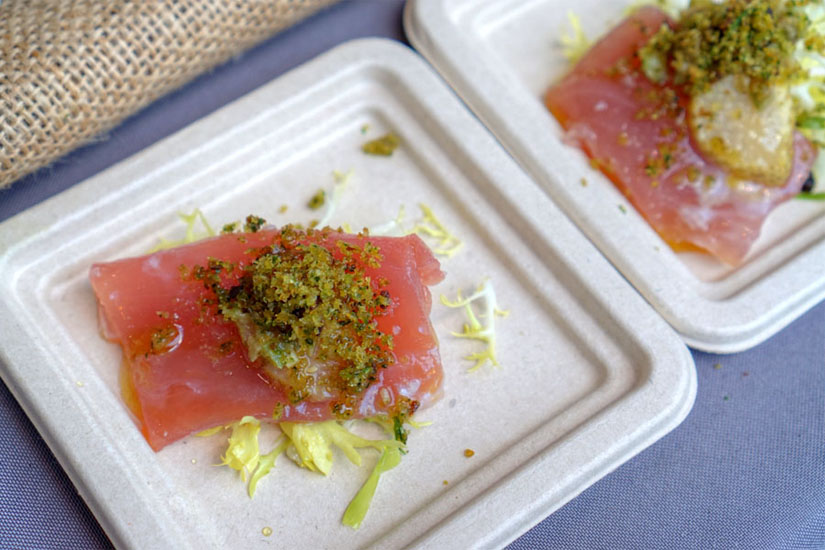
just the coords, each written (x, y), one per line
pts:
(745, 470)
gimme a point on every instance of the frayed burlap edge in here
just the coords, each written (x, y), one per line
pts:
(71, 69)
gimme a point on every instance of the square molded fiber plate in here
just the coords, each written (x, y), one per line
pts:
(501, 56)
(589, 373)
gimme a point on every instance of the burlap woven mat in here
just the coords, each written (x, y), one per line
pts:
(71, 69)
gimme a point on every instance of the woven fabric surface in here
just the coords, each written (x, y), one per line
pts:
(72, 69)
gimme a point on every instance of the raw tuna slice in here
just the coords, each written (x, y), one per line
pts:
(187, 368)
(637, 134)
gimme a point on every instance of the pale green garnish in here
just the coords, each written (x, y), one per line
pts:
(358, 507)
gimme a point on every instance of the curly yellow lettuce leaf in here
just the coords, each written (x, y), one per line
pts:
(242, 453)
(313, 443)
(265, 464)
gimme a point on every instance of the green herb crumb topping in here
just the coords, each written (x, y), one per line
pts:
(744, 38)
(310, 310)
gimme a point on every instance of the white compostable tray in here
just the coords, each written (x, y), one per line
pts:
(501, 56)
(590, 374)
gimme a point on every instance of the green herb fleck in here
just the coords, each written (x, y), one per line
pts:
(253, 224)
(317, 200)
(383, 146)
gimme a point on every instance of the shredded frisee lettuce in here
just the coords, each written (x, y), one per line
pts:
(574, 43)
(441, 240)
(313, 441)
(310, 446)
(474, 329)
(447, 244)
(191, 235)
